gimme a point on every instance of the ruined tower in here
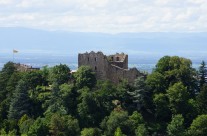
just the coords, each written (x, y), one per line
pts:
(112, 67)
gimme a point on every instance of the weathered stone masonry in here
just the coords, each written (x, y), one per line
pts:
(24, 68)
(112, 67)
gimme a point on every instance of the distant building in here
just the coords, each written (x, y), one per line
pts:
(24, 68)
(112, 67)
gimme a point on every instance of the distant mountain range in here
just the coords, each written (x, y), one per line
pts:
(139, 46)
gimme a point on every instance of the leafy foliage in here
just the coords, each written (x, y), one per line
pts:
(176, 69)
(115, 120)
(85, 77)
(178, 98)
(51, 101)
(118, 132)
(141, 130)
(38, 128)
(161, 103)
(199, 126)
(136, 119)
(68, 94)
(91, 132)
(59, 74)
(176, 126)
(89, 111)
(64, 125)
(24, 124)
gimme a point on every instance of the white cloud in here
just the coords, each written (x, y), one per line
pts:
(105, 15)
(5, 2)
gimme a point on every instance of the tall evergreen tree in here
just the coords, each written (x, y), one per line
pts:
(12, 83)
(5, 75)
(8, 89)
(202, 100)
(139, 95)
(20, 104)
(202, 74)
(55, 104)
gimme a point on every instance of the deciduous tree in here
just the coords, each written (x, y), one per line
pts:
(59, 74)
(91, 132)
(176, 126)
(85, 77)
(64, 125)
(115, 120)
(118, 132)
(178, 98)
(141, 130)
(199, 126)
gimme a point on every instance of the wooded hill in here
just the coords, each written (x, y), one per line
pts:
(172, 100)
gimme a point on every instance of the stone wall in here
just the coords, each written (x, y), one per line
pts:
(97, 61)
(24, 68)
(116, 74)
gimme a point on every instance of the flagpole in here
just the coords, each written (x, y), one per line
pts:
(14, 51)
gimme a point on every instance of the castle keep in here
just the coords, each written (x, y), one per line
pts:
(112, 67)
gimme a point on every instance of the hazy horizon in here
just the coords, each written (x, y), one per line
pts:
(38, 48)
(145, 44)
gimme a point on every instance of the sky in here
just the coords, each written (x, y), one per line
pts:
(106, 16)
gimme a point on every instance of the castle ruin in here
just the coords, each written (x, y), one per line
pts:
(112, 67)
(24, 68)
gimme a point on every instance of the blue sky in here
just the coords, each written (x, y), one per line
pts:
(108, 16)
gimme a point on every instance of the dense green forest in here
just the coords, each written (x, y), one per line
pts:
(172, 100)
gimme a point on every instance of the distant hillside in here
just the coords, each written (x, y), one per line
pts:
(138, 45)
